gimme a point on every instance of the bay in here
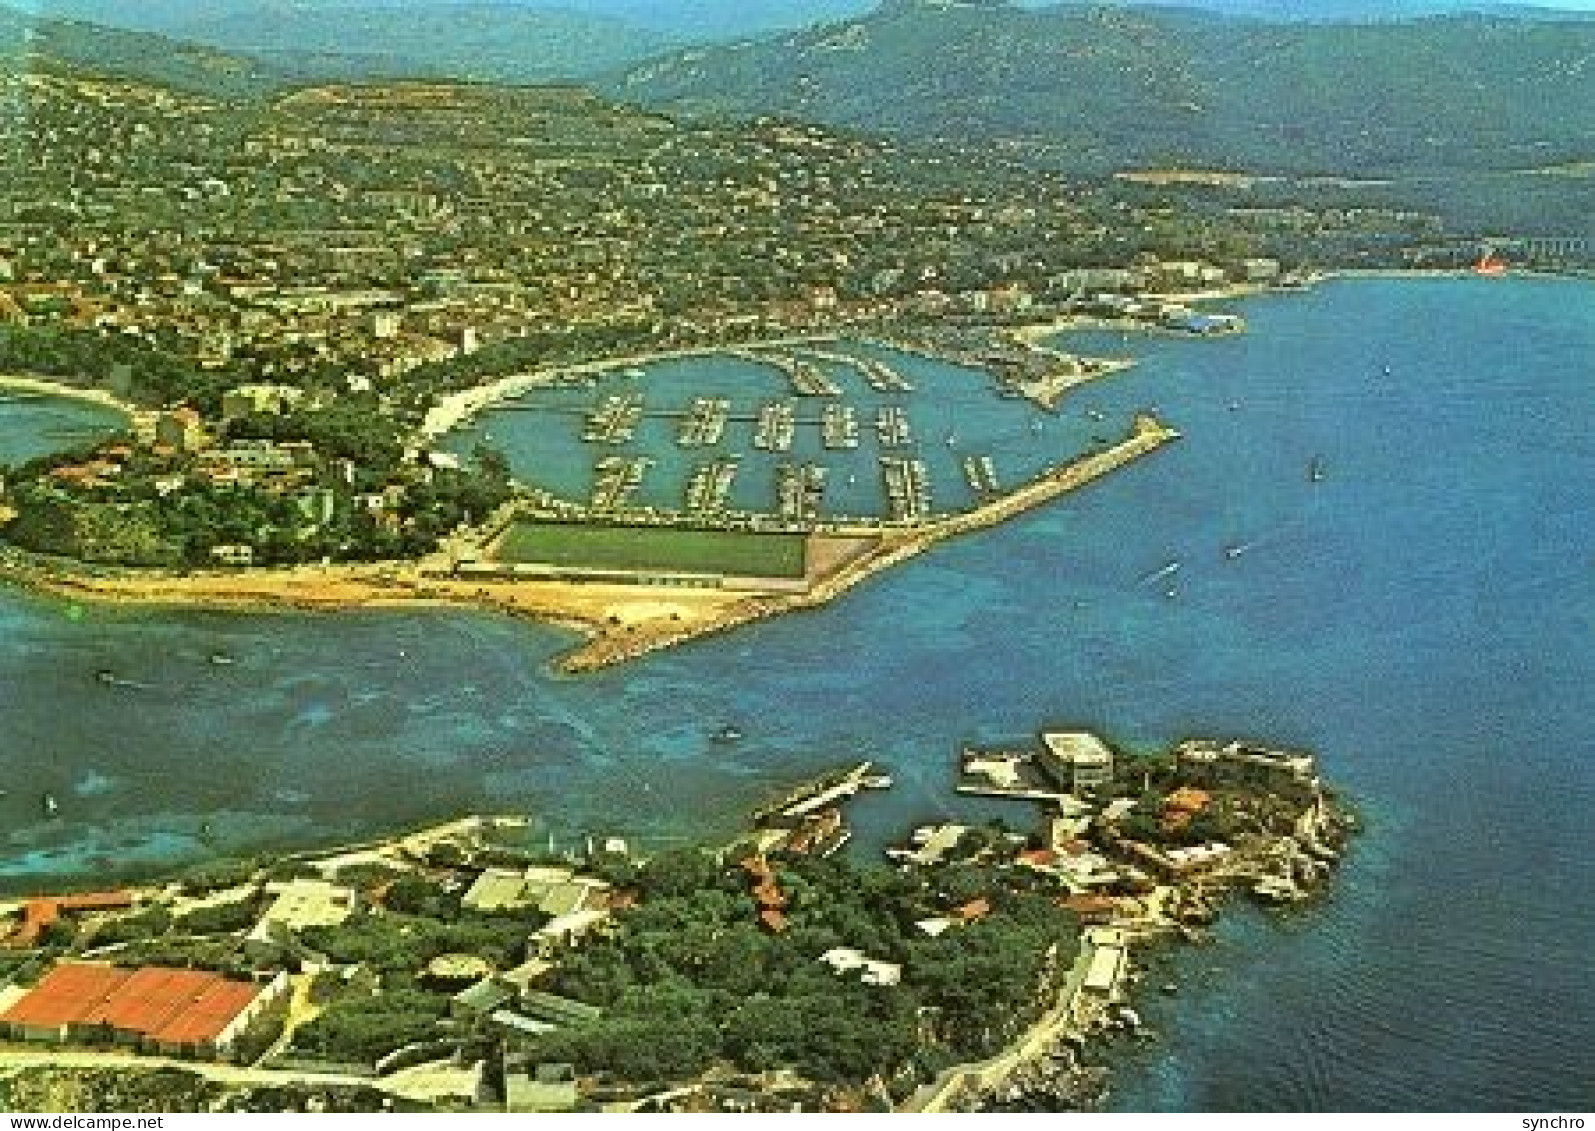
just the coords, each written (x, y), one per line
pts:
(1421, 618)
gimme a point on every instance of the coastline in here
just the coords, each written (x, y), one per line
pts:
(457, 409)
(1364, 913)
(618, 622)
(51, 388)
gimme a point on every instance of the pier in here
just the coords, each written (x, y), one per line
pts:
(891, 422)
(710, 486)
(880, 377)
(839, 428)
(705, 423)
(907, 485)
(775, 428)
(883, 378)
(615, 419)
(800, 490)
(821, 793)
(981, 474)
(807, 379)
(616, 480)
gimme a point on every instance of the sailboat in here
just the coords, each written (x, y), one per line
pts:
(1315, 470)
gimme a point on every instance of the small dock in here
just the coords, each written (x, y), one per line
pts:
(616, 480)
(705, 423)
(891, 423)
(839, 428)
(776, 427)
(615, 419)
(907, 483)
(800, 489)
(709, 486)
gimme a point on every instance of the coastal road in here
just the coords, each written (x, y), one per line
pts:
(1052, 1027)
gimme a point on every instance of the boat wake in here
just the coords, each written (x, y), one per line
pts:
(111, 679)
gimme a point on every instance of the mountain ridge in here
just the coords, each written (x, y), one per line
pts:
(1107, 87)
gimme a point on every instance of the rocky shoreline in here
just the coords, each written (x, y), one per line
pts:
(1064, 1063)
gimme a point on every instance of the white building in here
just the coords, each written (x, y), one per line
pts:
(1080, 759)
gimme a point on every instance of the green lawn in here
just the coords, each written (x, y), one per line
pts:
(645, 548)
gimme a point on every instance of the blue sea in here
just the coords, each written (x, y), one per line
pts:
(1422, 618)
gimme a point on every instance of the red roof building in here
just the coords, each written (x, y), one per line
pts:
(42, 912)
(192, 1012)
(973, 911)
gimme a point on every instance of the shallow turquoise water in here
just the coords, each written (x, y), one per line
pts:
(1422, 618)
(32, 425)
(952, 412)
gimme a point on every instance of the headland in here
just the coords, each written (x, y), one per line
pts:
(469, 967)
(706, 569)
(622, 618)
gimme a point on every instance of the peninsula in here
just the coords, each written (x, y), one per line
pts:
(622, 613)
(472, 967)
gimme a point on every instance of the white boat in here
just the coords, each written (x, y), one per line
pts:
(1167, 571)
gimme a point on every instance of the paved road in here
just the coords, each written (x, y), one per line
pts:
(1034, 1042)
(425, 1083)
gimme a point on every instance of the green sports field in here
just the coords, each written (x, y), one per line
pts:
(631, 548)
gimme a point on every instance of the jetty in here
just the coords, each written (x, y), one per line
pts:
(821, 793)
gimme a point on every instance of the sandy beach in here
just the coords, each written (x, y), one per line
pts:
(46, 387)
(456, 409)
